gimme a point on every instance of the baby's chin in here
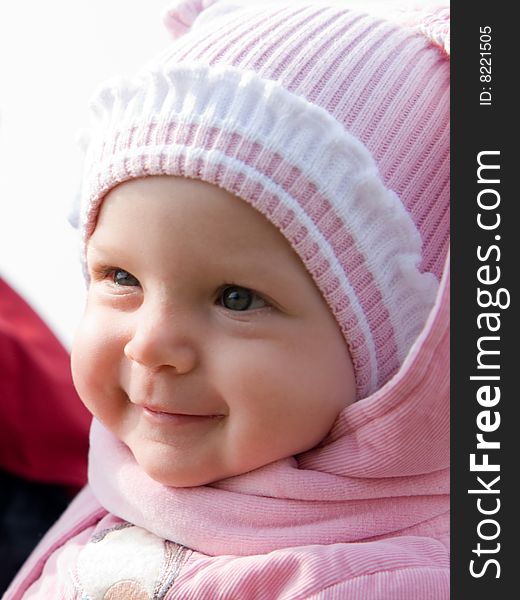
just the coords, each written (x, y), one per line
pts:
(194, 477)
(181, 476)
(180, 467)
(182, 480)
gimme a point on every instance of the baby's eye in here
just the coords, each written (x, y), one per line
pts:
(237, 298)
(124, 278)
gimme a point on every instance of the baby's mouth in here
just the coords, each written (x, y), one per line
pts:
(160, 414)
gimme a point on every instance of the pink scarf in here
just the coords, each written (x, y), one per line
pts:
(381, 472)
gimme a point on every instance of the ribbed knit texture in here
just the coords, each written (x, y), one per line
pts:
(386, 85)
(331, 123)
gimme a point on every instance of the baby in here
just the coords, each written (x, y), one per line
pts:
(205, 346)
(265, 221)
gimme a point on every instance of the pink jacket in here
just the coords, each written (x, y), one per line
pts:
(363, 516)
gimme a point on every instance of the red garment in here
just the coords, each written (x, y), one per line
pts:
(43, 424)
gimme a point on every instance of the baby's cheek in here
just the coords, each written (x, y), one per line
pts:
(91, 359)
(83, 366)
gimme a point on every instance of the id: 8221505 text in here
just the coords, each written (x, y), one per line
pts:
(485, 66)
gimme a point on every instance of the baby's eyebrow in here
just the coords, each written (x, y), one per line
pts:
(103, 248)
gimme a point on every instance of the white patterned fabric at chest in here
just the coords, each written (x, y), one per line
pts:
(128, 563)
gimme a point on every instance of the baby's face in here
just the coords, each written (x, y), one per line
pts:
(205, 345)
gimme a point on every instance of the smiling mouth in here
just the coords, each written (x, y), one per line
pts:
(158, 416)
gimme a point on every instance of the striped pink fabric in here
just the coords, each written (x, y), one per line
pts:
(287, 107)
(387, 86)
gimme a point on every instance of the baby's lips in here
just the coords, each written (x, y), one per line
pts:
(167, 409)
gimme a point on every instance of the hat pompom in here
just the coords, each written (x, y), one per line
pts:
(436, 27)
(181, 14)
(433, 22)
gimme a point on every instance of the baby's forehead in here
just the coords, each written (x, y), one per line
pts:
(172, 209)
(189, 237)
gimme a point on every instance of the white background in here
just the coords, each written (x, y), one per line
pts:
(53, 56)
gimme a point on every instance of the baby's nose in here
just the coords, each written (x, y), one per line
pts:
(161, 338)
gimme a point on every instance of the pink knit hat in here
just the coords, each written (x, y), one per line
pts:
(332, 123)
